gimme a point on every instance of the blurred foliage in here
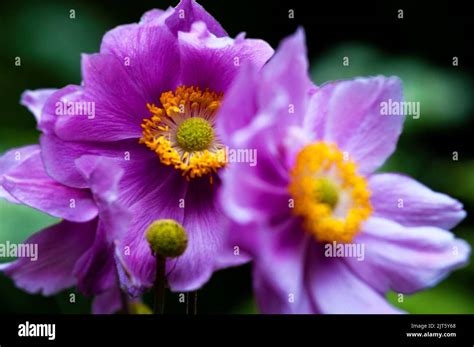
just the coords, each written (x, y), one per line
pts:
(445, 298)
(51, 51)
(19, 222)
(444, 93)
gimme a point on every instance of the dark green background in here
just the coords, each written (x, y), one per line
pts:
(418, 48)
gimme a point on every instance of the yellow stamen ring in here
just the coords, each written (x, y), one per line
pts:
(329, 195)
(181, 132)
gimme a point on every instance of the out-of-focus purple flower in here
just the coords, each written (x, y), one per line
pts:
(79, 250)
(327, 234)
(146, 113)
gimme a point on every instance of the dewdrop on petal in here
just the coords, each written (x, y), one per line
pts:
(167, 238)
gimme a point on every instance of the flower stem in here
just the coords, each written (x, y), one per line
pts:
(125, 303)
(191, 303)
(160, 283)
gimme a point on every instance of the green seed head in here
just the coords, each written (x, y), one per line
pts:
(195, 134)
(167, 238)
(327, 192)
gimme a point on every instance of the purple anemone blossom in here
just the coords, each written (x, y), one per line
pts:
(79, 250)
(145, 114)
(327, 234)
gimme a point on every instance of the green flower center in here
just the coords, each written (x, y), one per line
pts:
(327, 192)
(195, 134)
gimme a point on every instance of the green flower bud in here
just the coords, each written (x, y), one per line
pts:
(137, 307)
(167, 238)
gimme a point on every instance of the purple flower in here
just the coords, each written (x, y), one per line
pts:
(78, 250)
(145, 114)
(313, 201)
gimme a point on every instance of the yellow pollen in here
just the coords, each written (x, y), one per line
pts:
(330, 197)
(181, 131)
